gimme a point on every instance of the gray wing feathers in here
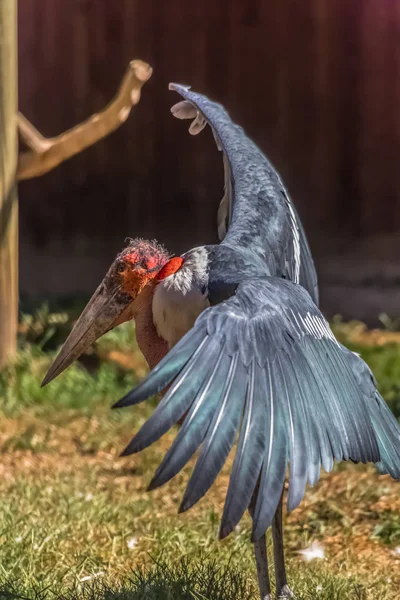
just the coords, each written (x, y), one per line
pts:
(256, 209)
(270, 371)
(220, 435)
(385, 424)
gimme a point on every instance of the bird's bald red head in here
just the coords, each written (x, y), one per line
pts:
(138, 264)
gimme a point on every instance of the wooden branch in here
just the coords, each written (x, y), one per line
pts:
(31, 136)
(48, 153)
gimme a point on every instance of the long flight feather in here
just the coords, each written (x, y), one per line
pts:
(177, 399)
(220, 435)
(275, 460)
(249, 453)
(166, 370)
(195, 424)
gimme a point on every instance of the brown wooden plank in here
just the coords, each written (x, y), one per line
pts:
(375, 149)
(393, 107)
(316, 83)
(8, 188)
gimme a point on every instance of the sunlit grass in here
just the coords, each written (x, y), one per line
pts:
(76, 521)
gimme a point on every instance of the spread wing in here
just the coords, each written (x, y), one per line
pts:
(385, 424)
(256, 213)
(263, 366)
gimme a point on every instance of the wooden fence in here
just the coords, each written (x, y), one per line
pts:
(315, 82)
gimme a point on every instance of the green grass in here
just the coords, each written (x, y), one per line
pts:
(199, 579)
(76, 521)
(388, 529)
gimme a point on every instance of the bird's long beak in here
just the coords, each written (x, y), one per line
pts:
(106, 309)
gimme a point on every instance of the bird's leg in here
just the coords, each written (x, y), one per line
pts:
(260, 551)
(282, 588)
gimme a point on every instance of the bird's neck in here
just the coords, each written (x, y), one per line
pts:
(153, 347)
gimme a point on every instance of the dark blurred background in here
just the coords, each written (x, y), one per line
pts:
(316, 83)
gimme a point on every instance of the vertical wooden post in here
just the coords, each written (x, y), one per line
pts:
(8, 187)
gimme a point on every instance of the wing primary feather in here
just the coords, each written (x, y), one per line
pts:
(177, 399)
(338, 434)
(166, 370)
(387, 430)
(298, 454)
(249, 453)
(329, 445)
(349, 397)
(195, 424)
(384, 423)
(318, 443)
(344, 400)
(368, 450)
(273, 469)
(220, 435)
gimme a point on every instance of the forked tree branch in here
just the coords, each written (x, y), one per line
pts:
(47, 153)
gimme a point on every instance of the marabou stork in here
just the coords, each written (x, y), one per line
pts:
(234, 337)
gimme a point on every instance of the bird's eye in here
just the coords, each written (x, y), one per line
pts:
(121, 268)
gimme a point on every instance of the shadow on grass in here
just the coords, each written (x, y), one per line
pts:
(185, 581)
(200, 579)
(188, 580)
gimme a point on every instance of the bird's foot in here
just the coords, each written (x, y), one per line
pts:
(285, 592)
